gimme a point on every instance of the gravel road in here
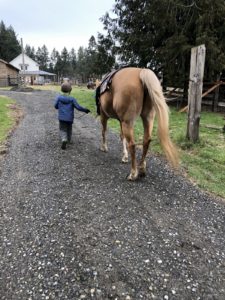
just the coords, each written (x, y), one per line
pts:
(73, 227)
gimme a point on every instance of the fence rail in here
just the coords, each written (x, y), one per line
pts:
(10, 81)
(213, 96)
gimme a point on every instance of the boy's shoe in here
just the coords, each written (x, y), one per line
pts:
(64, 145)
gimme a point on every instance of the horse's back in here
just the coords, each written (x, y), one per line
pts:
(126, 78)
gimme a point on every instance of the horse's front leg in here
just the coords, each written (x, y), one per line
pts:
(104, 120)
(128, 133)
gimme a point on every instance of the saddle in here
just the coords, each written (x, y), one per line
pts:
(103, 87)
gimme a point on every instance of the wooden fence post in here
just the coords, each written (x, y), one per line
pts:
(195, 92)
(216, 96)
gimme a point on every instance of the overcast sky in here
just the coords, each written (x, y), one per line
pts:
(54, 23)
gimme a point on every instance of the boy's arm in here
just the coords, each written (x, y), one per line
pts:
(79, 107)
(56, 103)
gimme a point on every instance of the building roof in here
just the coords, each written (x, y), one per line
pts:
(26, 57)
(9, 65)
(39, 72)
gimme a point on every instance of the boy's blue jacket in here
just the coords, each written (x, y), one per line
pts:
(66, 105)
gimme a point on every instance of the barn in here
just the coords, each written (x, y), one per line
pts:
(8, 74)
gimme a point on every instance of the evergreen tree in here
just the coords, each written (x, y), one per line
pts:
(82, 64)
(160, 35)
(73, 61)
(9, 45)
(30, 51)
(42, 58)
(105, 58)
(65, 61)
(52, 61)
(58, 65)
(91, 58)
(210, 30)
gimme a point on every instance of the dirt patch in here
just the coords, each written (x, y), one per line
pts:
(16, 112)
(22, 89)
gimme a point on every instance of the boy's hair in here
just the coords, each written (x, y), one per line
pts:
(66, 87)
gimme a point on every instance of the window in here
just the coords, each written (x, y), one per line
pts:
(25, 67)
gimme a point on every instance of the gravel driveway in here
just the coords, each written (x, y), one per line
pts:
(73, 227)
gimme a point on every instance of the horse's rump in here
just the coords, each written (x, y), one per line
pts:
(124, 98)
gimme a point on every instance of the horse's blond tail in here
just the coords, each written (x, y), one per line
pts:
(154, 88)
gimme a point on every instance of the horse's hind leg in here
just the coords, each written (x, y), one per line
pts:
(125, 152)
(148, 126)
(104, 120)
(128, 133)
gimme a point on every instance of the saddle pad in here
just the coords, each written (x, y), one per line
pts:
(106, 81)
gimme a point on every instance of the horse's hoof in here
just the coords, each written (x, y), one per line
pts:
(125, 160)
(104, 149)
(132, 177)
(142, 170)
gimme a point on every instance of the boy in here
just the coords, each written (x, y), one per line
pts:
(65, 105)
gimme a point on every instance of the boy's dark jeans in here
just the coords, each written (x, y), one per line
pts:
(65, 130)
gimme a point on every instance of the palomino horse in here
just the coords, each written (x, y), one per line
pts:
(136, 92)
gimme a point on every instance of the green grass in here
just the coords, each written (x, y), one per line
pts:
(6, 120)
(203, 162)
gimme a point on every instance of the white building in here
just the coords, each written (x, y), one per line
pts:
(30, 69)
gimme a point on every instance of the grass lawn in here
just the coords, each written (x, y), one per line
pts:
(7, 121)
(203, 162)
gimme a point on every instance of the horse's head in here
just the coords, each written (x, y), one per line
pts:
(97, 83)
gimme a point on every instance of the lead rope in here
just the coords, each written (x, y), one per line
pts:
(81, 116)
